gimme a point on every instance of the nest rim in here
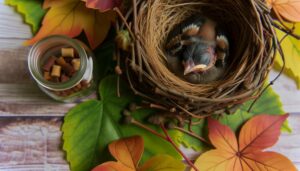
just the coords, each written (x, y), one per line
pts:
(149, 76)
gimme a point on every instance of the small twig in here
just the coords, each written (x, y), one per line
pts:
(124, 21)
(156, 106)
(147, 128)
(273, 81)
(169, 139)
(191, 134)
(289, 31)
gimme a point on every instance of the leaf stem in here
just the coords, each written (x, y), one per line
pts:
(147, 128)
(169, 139)
(191, 134)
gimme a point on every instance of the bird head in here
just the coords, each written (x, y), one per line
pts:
(198, 57)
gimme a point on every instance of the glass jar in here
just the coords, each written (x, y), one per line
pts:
(78, 86)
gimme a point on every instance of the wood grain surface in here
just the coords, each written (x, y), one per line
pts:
(30, 137)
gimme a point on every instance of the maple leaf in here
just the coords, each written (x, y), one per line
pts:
(71, 17)
(289, 9)
(257, 134)
(128, 152)
(103, 5)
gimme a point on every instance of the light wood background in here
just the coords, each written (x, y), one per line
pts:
(30, 137)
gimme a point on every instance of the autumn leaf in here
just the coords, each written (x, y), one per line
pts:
(291, 50)
(71, 17)
(103, 5)
(289, 9)
(128, 152)
(246, 153)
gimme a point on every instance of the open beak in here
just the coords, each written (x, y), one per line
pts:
(189, 67)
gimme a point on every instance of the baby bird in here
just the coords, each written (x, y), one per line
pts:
(197, 50)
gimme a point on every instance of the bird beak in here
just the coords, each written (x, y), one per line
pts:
(189, 67)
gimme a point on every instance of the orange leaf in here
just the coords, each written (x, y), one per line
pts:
(260, 132)
(257, 134)
(71, 17)
(112, 166)
(215, 160)
(266, 161)
(222, 137)
(289, 9)
(128, 151)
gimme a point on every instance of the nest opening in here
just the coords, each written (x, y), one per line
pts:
(250, 57)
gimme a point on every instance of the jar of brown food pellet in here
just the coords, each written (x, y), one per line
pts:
(63, 68)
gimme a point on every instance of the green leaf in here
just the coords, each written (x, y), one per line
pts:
(291, 50)
(31, 10)
(268, 103)
(190, 142)
(89, 127)
(81, 134)
(113, 105)
(163, 163)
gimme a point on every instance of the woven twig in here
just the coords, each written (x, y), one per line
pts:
(252, 52)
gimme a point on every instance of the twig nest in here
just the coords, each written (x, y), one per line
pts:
(252, 51)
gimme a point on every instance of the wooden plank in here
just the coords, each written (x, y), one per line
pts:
(288, 92)
(11, 24)
(31, 143)
(289, 144)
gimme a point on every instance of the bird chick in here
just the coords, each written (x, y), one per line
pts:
(197, 50)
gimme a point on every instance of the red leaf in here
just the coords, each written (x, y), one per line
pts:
(112, 166)
(260, 132)
(103, 5)
(222, 137)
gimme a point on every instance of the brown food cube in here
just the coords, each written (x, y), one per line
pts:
(47, 76)
(76, 64)
(84, 84)
(79, 86)
(68, 69)
(68, 59)
(56, 71)
(55, 79)
(64, 78)
(69, 92)
(64, 93)
(67, 52)
(61, 61)
(75, 89)
(50, 62)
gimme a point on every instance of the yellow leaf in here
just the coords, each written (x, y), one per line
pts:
(291, 49)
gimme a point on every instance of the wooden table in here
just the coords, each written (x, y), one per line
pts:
(30, 137)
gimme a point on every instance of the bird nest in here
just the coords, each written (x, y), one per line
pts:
(253, 46)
